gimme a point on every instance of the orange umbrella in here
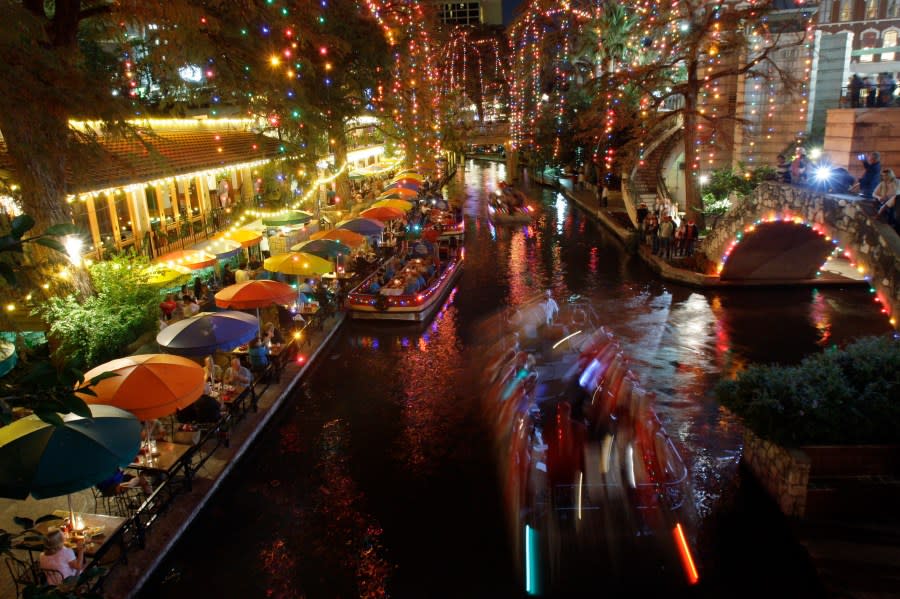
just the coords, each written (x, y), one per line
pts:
(255, 294)
(402, 205)
(382, 213)
(148, 385)
(193, 259)
(401, 191)
(348, 238)
(245, 237)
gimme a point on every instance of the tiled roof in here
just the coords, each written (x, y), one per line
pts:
(158, 154)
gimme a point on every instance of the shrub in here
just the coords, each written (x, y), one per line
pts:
(96, 329)
(835, 397)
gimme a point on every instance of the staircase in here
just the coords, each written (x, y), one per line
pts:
(647, 179)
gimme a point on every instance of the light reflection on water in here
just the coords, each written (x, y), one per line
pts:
(408, 492)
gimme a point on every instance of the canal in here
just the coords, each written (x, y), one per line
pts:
(377, 477)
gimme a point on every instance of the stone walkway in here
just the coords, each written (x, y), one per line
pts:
(125, 579)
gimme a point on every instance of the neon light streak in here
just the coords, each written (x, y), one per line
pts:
(530, 561)
(687, 560)
(564, 339)
(580, 489)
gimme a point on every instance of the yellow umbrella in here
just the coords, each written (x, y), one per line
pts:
(408, 175)
(298, 263)
(394, 203)
(162, 275)
(245, 237)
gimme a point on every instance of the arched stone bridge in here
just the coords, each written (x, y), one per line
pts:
(784, 233)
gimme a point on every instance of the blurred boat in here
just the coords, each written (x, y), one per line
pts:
(593, 486)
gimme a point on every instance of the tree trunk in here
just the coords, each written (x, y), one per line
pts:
(692, 200)
(342, 183)
(36, 135)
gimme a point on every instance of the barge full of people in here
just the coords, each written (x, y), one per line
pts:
(507, 206)
(411, 286)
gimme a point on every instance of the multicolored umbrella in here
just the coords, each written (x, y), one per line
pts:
(208, 331)
(44, 460)
(383, 213)
(148, 385)
(255, 294)
(323, 248)
(403, 205)
(193, 259)
(400, 192)
(348, 238)
(289, 217)
(224, 248)
(363, 226)
(298, 263)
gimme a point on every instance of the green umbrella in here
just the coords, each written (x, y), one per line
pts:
(290, 217)
(43, 460)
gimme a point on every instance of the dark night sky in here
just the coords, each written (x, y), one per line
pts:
(508, 7)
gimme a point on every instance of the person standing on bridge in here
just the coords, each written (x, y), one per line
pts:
(870, 179)
(886, 196)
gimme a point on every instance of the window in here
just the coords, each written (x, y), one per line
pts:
(846, 10)
(123, 214)
(460, 13)
(104, 221)
(871, 9)
(893, 8)
(889, 40)
(868, 41)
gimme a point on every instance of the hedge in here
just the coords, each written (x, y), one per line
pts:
(837, 397)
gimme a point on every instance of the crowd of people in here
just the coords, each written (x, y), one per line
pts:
(666, 234)
(878, 93)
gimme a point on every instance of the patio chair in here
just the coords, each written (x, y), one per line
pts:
(51, 576)
(21, 573)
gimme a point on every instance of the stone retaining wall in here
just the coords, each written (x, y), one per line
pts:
(784, 473)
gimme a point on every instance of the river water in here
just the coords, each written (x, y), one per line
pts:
(377, 477)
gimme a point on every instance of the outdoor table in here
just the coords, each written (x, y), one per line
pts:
(166, 458)
(108, 526)
(309, 309)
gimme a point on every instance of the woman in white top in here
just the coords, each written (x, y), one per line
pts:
(886, 195)
(58, 561)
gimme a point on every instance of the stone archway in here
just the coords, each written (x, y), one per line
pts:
(844, 222)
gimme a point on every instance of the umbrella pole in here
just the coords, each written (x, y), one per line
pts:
(258, 323)
(71, 511)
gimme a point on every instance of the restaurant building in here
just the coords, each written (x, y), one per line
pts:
(171, 185)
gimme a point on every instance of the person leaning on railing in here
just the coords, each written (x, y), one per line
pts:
(886, 196)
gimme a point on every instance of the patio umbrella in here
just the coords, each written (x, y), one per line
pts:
(193, 259)
(403, 205)
(290, 217)
(382, 213)
(43, 460)
(323, 248)
(400, 192)
(348, 238)
(255, 294)
(363, 226)
(224, 248)
(163, 275)
(8, 357)
(408, 174)
(208, 331)
(298, 263)
(245, 237)
(410, 185)
(149, 385)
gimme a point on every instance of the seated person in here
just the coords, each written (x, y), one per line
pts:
(410, 286)
(237, 376)
(205, 410)
(59, 558)
(121, 481)
(212, 371)
(258, 354)
(420, 281)
(375, 287)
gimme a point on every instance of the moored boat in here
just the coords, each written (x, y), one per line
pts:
(507, 205)
(385, 294)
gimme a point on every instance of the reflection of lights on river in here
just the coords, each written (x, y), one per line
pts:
(818, 313)
(561, 207)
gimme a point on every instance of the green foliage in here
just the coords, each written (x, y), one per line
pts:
(95, 329)
(725, 183)
(13, 241)
(835, 397)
